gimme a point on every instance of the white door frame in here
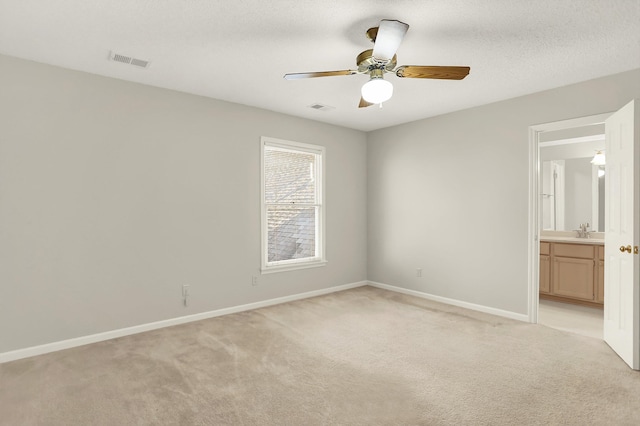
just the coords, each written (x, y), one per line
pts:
(534, 200)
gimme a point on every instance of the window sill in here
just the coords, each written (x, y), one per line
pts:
(292, 266)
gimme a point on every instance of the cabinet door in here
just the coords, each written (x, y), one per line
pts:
(600, 282)
(545, 274)
(573, 277)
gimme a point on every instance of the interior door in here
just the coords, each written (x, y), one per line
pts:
(621, 285)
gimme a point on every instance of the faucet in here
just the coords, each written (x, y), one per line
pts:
(584, 232)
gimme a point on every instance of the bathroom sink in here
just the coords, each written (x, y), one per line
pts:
(570, 237)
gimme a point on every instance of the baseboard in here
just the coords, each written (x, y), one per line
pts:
(454, 302)
(99, 337)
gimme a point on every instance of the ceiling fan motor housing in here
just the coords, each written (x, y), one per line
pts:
(376, 73)
(366, 62)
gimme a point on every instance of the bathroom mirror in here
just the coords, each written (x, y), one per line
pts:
(571, 187)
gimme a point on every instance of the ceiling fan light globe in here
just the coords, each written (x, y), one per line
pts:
(377, 91)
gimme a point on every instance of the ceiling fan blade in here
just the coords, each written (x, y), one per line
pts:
(445, 73)
(363, 103)
(388, 39)
(299, 75)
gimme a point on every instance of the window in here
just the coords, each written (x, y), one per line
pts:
(292, 205)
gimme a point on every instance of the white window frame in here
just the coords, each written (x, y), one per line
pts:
(292, 264)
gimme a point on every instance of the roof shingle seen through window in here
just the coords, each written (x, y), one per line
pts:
(291, 233)
(289, 177)
(289, 180)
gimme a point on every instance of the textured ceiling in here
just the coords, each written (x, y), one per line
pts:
(239, 50)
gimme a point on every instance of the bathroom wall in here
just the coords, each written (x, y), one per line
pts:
(578, 193)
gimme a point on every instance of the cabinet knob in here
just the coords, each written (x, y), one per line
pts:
(627, 249)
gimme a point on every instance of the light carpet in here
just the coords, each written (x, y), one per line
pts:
(364, 356)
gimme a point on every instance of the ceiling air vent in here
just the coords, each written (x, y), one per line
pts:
(117, 57)
(321, 107)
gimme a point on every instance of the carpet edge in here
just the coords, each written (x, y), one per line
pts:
(141, 328)
(454, 302)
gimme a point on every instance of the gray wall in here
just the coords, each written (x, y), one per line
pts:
(449, 194)
(114, 194)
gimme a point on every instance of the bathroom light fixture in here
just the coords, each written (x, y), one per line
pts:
(598, 159)
(377, 90)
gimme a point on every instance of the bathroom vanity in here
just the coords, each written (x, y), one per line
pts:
(572, 270)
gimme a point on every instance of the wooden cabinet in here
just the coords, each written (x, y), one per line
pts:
(545, 274)
(545, 268)
(600, 282)
(573, 250)
(572, 272)
(573, 277)
(600, 276)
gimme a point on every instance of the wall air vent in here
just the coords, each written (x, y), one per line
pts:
(118, 57)
(321, 107)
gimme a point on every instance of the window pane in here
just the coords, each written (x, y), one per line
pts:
(289, 177)
(291, 233)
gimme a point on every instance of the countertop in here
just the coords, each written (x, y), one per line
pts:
(572, 240)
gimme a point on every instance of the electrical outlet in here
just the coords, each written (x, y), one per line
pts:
(254, 280)
(419, 272)
(185, 294)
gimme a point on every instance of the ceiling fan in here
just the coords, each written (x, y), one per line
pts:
(382, 59)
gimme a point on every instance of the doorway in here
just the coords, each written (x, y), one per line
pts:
(560, 168)
(620, 253)
(572, 205)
